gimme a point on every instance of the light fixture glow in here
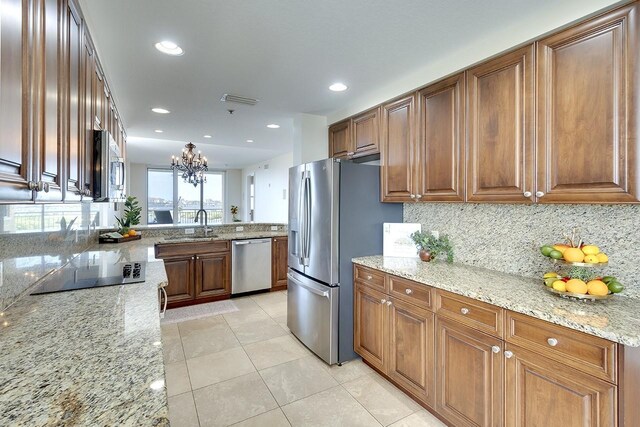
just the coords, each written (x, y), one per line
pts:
(169, 47)
(273, 126)
(158, 131)
(249, 140)
(338, 87)
(160, 110)
(157, 385)
(207, 136)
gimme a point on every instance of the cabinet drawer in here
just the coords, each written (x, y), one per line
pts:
(163, 250)
(416, 293)
(584, 352)
(477, 314)
(369, 277)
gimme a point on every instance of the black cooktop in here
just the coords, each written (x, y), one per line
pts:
(83, 275)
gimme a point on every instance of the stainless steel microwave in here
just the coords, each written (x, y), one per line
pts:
(108, 169)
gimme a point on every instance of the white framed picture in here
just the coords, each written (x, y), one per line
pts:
(397, 241)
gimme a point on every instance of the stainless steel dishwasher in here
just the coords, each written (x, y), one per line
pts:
(251, 265)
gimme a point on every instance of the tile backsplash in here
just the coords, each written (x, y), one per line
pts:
(507, 237)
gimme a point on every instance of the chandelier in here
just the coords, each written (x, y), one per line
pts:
(192, 166)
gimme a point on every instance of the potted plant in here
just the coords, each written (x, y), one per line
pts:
(234, 213)
(429, 246)
(131, 216)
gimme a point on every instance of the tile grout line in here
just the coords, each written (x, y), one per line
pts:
(188, 377)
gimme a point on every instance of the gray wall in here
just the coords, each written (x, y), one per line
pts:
(507, 237)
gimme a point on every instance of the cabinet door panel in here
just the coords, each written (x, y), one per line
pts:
(370, 334)
(411, 349)
(73, 120)
(501, 128)
(469, 389)
(88, 116)
(213, 275)
(441, 141)
(180, 279)
(279, 263)
(340, 140)
(543, 392)
(15, 153)
(398, 150)
(366, 133)
(587, 117)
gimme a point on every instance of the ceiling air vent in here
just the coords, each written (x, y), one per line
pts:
(238, 99)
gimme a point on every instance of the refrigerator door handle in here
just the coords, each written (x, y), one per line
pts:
(307, 221)
(301, 219)
(310, 289)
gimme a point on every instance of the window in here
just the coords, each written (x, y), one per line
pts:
(173, 201)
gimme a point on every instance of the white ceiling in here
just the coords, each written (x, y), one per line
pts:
(283, 52)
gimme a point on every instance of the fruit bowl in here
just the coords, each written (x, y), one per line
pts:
(581, 264)
(579, 297)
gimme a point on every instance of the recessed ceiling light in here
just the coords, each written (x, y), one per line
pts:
(273, 126)
(158, 131)
(338, 87)
(169, 47)
(160, 110)
(249, 140)
(207, 136)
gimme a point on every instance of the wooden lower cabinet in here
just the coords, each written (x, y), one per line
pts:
(213, 275)
(279, 263)
(542, 392)
(370, 326)
(470, 375)
(411, 349)
(180, 279)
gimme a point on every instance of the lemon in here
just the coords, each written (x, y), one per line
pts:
(559, 285)
(573, 255)
(591, 259)
(590, 249)
(602, 257)
(597, 287)
(576, 286)
(550, 274)
(549, 281)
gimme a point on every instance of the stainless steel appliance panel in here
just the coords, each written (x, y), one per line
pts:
(296, 223)
(250, 265)
(312, 315)
(322, 209)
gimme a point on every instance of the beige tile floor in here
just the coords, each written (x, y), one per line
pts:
(246, 369)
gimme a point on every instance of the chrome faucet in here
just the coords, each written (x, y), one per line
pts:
(206, 228)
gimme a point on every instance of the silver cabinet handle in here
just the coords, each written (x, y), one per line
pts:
(552, 342)
(495, 349)
(508, 354)
(166, 299)
(539, 193)
(464, 310)
(382, 301)
(389, 302)
(527, 194)
(369, 277)
(408, 291)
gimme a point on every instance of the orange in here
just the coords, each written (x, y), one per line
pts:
(560, 247)
(573, 255)
(132, 232)
(597, 287)
(576, 286)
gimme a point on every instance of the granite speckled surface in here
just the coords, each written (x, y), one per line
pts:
(223, 236)
(507, 237)
(617, 319)
(90, 357)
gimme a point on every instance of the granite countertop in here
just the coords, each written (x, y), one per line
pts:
(87, 357)
(616, 319)
(240, 235)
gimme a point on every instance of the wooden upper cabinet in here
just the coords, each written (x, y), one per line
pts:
(340, 144)
(440, 173)
(470, 375)
(587, 139)
(500, 145)
(15, 146)
(366, 133)
(541, 392)
(398, 150)
(88, 125)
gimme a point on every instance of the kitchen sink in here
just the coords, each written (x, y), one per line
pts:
(187, 237)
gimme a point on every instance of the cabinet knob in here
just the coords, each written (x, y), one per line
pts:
(464, 310)
(508, 354)
(413, 196)
(552, 342)
(369, 277)
(418, 196)
(408, 291)
(495, 349)
(382, 301)
(539, 193)
(527, 194)
(32, 185)
(350, 153)
(388, 302)
(275, 240)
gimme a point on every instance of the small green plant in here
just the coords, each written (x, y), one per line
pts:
(234, 213)
(434, 245)
(131, 216)
(581, 273)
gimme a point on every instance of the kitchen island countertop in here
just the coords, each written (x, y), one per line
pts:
(616, 319)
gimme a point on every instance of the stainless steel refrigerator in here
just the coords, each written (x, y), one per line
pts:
(335, 214)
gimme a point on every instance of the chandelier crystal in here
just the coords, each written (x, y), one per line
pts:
(192, 166)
